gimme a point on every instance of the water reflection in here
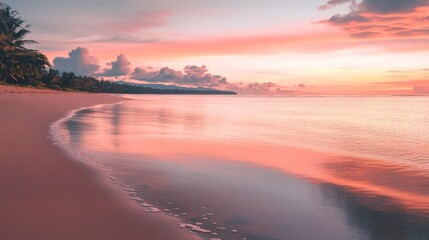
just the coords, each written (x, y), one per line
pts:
(396, 177)
(260, 203)
(116, 117)
(235, 162)
(78, 125)
(378, 216)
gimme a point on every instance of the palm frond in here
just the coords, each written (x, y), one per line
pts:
(25, 42)
(20, 34)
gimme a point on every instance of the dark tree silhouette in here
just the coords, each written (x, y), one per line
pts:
(17, 63)
(24, 66)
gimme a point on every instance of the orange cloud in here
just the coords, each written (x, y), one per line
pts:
(415, 86)
(238, 45)
(376, 18)
(409, 83)
(317, 43)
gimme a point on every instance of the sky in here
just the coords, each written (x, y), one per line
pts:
(280, 47)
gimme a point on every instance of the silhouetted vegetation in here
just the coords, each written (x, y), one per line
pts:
(18, 63)
(69, 81)
(23, 66)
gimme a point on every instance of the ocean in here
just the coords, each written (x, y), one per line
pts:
(265, 168)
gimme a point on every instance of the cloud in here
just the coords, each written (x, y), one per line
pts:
(391, 6)
(164, 75)
(407, 83)
(416, 86)
(264, 88)
(382, 18)
(333, 3)
(421, 90)
(124, 27)
(137, 21)
(120, 67)
(191, 76)
(79, 62)
(348, 18)
(124, 38)
(378, 6)
(199, 75)
(261, 87)
(82, 63)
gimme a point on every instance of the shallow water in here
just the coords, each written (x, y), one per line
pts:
(268, 167)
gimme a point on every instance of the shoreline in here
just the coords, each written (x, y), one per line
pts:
(44, 194)
(322, 167)
(347, 179)
(62, 197)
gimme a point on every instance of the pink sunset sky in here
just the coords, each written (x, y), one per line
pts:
(283, 47)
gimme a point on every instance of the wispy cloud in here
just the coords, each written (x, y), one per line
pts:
(416, 86)
(333, 3)
(136, 22)
(407, 83)
(125, 28)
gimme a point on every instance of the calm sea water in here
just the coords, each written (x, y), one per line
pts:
(234, 167)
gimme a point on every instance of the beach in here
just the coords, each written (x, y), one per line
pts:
(94, 166)
(214, 120)
(44, 194)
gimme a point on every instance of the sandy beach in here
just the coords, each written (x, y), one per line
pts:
(182, 120)
(46, 195)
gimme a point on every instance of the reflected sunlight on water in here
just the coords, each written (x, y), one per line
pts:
(230, 155)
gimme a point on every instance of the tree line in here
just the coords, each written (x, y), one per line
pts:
(21, 65)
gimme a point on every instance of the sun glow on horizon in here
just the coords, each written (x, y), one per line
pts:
(308, 45)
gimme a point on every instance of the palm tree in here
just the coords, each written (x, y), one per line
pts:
(12, 28)
(16, 61)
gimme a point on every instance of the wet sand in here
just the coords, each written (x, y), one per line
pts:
(46, 195)
(406, 185)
